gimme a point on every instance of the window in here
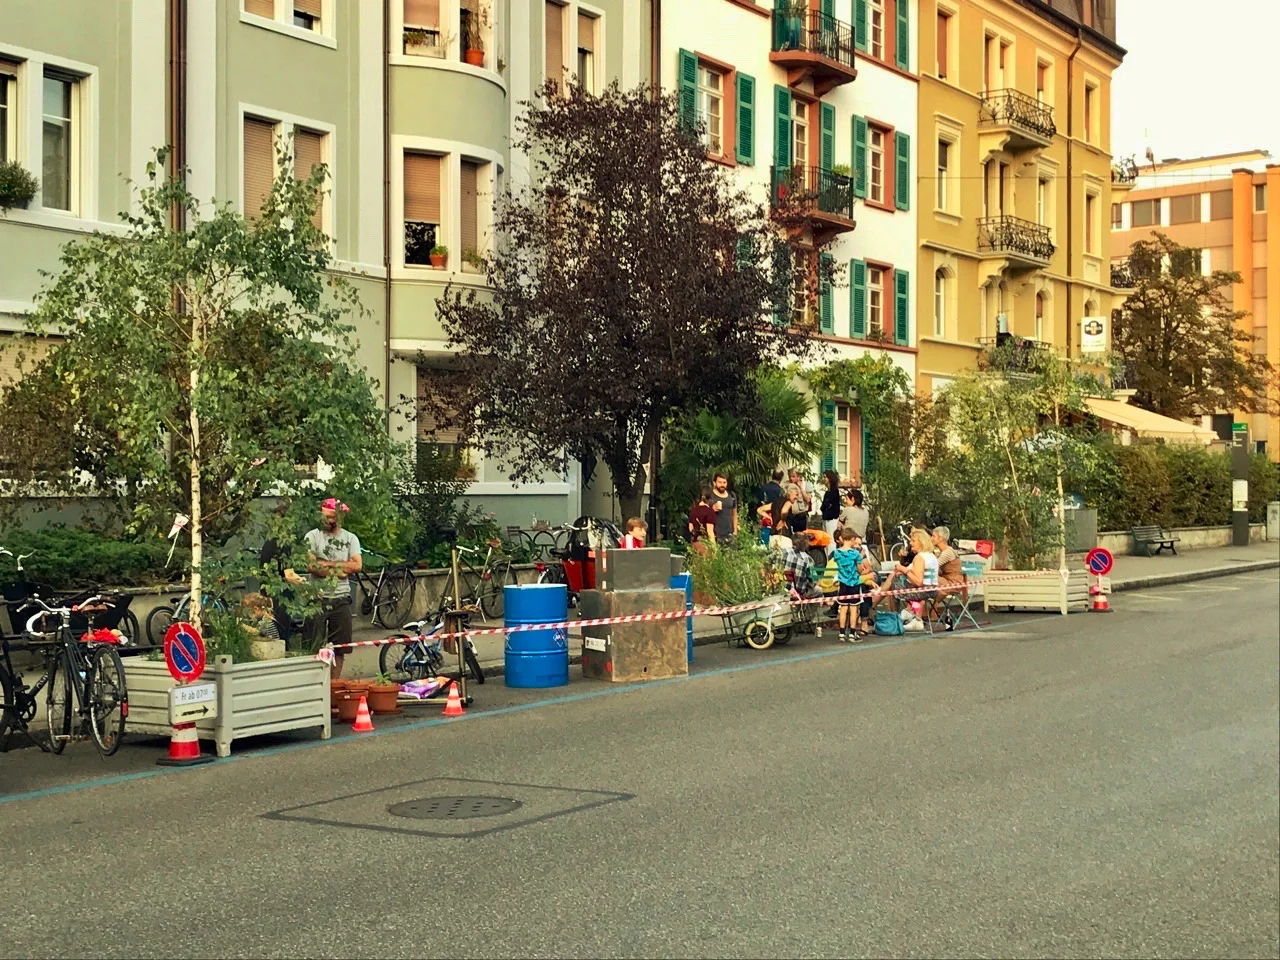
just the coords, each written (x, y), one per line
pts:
(1090, 112)
(875, 180)
(1002, 184)
(1090, 227)
(1042, 81)
(1185, 209)
(259, 164)
(308, 153)
(8, 108)
(844, 434)
(421, 207)
(304, 19)
(1004, 60)
(59, 143)
(986, 188)
(1117, 217)
(1145, 213)
(711, 108)
(944, 30)
(1040, 317)
(261, 8)
(799, 133)
(306, 14)
(940, 303)
(1259, 195)
(434, 442)
(554, 48)
(988, 56)
(422, 28)
(875, 301)
(587, 41)
(944, 174)
(799, 287)
(470, 222)
(876, 19)
(1042, 202)
(1220, 205)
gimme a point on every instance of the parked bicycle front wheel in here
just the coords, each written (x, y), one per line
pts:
(395, 661)
(473, 662)
(108, 700)
(129, 627)
(492, 600)
(8, 708)
(394, 602)
(58, 705)
(158, 622)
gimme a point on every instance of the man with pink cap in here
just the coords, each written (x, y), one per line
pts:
(333, 553)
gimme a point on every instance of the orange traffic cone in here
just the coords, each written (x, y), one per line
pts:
(364, 722)
(1100, 604)
(453, 708)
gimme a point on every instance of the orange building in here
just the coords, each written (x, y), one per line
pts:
(1223, 206)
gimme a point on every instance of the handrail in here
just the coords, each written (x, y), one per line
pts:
(814, 32)
(1019, 110)
(1005, 234)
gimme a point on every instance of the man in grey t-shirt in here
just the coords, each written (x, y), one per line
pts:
(725, 504)
(333, 555)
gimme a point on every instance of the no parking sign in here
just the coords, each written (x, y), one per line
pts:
(184, 652)
(1099, 561)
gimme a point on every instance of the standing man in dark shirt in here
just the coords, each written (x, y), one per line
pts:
(272, 555)
(772, 491)
(702, 519)
(725, 504)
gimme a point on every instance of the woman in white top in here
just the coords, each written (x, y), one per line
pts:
(923, 571)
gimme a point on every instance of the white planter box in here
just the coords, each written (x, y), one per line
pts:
(1042, 592)
(253, 698)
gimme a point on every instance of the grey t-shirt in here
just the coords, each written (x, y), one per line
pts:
(856, 518)
(724, 516)
(340, 546)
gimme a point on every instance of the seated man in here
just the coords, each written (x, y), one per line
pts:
(798, 567)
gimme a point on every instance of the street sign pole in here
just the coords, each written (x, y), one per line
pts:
(1239, 484)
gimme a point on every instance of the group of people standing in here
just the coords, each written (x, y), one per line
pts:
(788, 511)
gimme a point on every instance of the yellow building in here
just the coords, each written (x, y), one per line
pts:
(1015, 176)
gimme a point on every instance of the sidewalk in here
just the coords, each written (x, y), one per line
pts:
(1129, 573)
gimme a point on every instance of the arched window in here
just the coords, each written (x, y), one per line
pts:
(1040, 317)
(940, 303)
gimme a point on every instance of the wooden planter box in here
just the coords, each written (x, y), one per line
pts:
(253, 698)
(1043, 592)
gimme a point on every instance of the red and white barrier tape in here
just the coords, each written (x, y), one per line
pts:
(694, 612)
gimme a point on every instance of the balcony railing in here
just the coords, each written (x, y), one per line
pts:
(1017, 110)
(1122, 274)
(1011, 353)
(809, 191)
(1014, 237)
(814, 46)
(1124, 172)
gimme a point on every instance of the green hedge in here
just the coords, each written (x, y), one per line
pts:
(67, 557)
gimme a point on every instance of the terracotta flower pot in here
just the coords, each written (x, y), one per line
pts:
(382, 698)
(348, 706)
(439, 260)
(359, 687)
(474, 57)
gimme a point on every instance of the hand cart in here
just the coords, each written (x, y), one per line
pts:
(760, 627)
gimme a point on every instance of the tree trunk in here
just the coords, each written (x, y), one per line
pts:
(197, 533)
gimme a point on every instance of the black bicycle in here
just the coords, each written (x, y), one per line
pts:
(389, 598)
(85, 682)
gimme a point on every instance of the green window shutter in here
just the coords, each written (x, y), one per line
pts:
(901, 298)
(826, 295)
(782, 279)
(902, 41)
(744, 252)
(902, 172)
(860, 24)
(828, 435)
(688, 79)
(746, 148)
(869, 457)
(828, 137)
(782, 128)
(828, 8)
(860, 156)
(858, 299)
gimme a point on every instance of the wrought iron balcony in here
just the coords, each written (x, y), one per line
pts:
(1019, 240)
(1026, 122)
(813, 46)
(1011, 353)
(810, 194)
(1122, 274)
(1124, 172)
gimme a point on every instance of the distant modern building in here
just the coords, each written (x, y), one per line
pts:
(413, 116)
(1226, 207)
(1016, 177)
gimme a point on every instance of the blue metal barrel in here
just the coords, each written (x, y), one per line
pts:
(684, 581)
(537, 658)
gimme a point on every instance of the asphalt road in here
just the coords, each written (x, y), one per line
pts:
(1090, 785)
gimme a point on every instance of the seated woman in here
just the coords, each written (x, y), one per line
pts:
(922, 571)
(951, 576)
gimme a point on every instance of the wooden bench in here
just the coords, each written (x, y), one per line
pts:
(1144, 537)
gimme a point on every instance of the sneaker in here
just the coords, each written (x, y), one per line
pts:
(858, 636)
(948, 623)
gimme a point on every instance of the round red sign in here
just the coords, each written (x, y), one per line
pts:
(184, 652)
(1099, 561)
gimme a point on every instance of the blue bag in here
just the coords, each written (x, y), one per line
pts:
(888, 624)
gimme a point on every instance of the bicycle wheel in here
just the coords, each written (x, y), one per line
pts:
(553, 573)
(58, 705)
(158, 622)
(395, 660)
(491, 597)
(473, 662)
(129, 627)
(108, 700)
(394, 602)
(8, 708)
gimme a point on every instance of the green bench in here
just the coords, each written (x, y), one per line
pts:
(1145, 537)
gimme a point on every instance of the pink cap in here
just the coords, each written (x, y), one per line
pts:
(333, 503)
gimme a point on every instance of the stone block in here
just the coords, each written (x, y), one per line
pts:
(647, 569)
(630, 652)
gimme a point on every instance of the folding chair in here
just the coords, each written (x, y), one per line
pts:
(957, 601)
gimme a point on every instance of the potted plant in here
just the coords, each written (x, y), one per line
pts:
(17, 186)
(473, 259)
(791, 27)
(421, 42)
(383, 695)
(473, 35)
(439, 256)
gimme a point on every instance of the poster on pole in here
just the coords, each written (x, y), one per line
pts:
(1093, 335)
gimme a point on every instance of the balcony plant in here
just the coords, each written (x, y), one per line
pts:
(474, 27)
(791, 15)
(17, 186)
(421, 42)
(439, 256)
(473, 259)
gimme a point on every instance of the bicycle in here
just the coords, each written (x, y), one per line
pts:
(389, 598)
(177, 610)
(420, 657)
(125, 620)
(482, 586)
(89, 672)
(599, 534)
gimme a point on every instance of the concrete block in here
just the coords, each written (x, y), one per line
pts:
(647, 569)
(630, 652)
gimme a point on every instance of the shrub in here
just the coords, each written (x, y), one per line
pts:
(17, 185)
(732, 573)
(1264, 486)
(66, 557)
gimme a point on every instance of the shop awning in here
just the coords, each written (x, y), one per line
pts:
(1147, 424)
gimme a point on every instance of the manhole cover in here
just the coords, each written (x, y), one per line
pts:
(453, 808)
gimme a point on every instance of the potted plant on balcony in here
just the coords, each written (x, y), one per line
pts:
(439, 256)
(473, 260)
(422, 42)
(17, 186)
(473, 34)
(791, 16)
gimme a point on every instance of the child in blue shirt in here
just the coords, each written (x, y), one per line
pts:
(851, 591)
